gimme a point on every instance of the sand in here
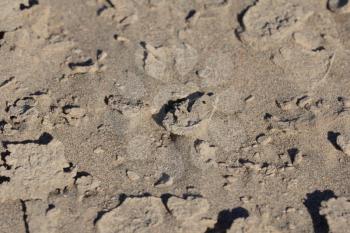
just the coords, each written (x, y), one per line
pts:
(184, 116)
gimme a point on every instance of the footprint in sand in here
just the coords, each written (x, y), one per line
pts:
(226, 132)
(272, 21)
(184, 115)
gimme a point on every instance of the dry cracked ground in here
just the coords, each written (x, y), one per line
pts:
(184, 116)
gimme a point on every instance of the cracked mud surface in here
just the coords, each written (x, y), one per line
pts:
(188, 116)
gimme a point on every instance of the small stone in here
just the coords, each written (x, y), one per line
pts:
(164, 181)
(245, 199)
(132, 175)
(343, 141)
(76, 112)
(98, 150)
(263, 139)
(101, 55)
